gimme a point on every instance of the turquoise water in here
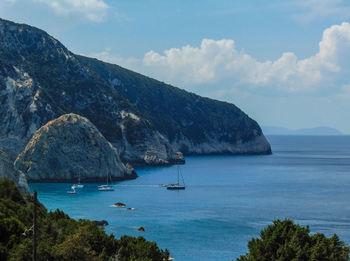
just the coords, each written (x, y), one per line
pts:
(228, 199)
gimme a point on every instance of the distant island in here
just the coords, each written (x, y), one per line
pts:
(272, 130)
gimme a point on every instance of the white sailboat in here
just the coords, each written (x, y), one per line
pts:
(79, 185)
(107, 186)
(177, 185)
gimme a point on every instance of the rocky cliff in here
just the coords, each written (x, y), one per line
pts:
(148, 121)
(7, 170)
(41, 80)
(69, 147)
(192, 124)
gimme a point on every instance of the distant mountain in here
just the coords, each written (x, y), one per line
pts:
(147, 121)
(271, 130)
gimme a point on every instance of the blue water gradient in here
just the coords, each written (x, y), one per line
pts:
(228, 199)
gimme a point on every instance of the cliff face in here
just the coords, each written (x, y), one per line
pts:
(192, 124)
(68, 147)
(41, 80)
(7, 170)
(148, 122)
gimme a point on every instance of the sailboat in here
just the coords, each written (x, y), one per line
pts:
(177, 186)
(106, 187)
(78, 185)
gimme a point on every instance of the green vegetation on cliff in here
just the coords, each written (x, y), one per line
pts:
(60, 237)
(286, 241)
(176, 113)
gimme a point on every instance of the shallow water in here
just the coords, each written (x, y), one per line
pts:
(228, 199)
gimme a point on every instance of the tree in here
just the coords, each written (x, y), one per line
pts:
(286, 241)
(61, 237)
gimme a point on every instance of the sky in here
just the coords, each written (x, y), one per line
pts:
(285, 63)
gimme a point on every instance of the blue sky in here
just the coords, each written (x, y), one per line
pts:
(285, 63)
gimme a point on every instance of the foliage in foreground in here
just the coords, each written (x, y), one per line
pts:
(60, 237)
(286, 241)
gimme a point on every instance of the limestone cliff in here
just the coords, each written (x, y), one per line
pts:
(147, 121)
(7, 170)
(193, 124)
(69, 147)
(41, 80)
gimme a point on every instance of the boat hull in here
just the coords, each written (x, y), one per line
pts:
(175, 188)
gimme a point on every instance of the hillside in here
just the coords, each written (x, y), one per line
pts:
(193, 124)
(146, 120)
(60, 237)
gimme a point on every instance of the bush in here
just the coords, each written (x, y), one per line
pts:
(286, 241)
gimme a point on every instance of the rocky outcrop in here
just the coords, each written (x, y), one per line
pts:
(69, 147)
(7, 170)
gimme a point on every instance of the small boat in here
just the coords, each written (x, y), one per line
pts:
(78, 185)
(72, 191)
(107, 186)
(177, 186)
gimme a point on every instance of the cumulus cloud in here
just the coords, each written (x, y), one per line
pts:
(94, 10)
(215, 61)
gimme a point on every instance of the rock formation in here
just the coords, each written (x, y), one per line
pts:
(147, 121)
(69, 147)
(41, 80)
(7, 170)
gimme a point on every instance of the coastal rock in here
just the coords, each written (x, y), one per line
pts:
(69, 147)
(101, 223)
(7, 170)
(119, 204)
(141, 229)
(213, 145)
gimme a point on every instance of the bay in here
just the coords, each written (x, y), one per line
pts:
(228, 199)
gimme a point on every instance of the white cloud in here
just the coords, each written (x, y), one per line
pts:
(216, 61)
(94, 10)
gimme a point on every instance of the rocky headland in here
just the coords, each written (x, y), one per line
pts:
(69, 147)
(143, 121)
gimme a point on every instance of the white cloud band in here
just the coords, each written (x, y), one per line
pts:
(215, 61)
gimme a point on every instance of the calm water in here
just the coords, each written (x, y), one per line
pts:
(228, 199)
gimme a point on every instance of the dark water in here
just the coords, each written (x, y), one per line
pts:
(228, 199)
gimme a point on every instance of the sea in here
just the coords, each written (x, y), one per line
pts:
(228, 199)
